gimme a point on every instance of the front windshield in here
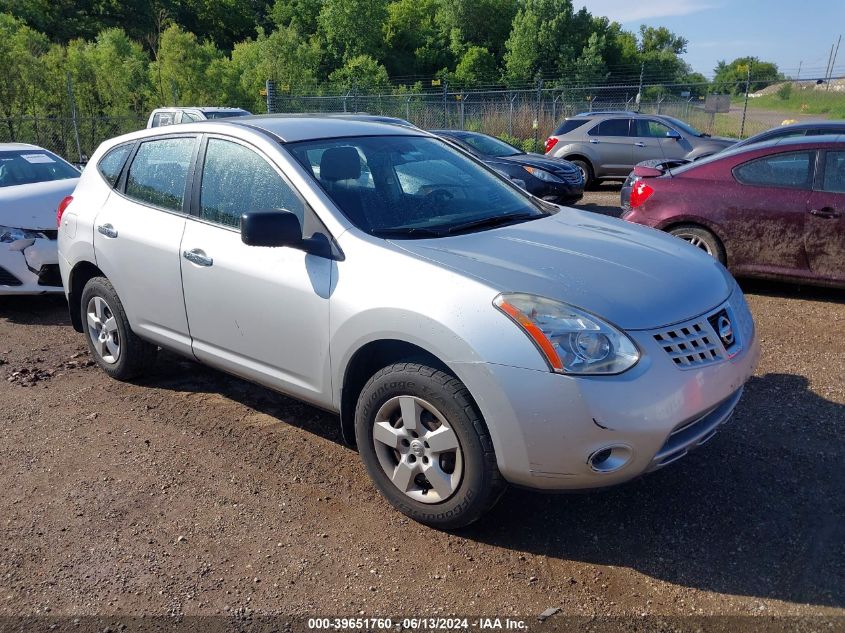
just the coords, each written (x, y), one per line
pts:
(411, 186)
(24, 167)
(224, 114)
(686, 127)
(490, 146)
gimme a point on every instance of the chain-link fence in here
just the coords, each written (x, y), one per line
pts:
(534, 113)
(73, 138)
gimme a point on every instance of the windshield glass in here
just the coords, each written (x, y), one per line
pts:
(686, 127)
(411, 186)
(26, 166)
(489, 146)
(224, 114)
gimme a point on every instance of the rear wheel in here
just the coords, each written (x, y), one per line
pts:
(586, 171)
(112, 343)
(426, 447)
(701, 238)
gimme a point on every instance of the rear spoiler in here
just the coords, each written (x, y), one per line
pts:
(653, 171)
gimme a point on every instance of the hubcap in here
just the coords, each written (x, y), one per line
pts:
(102, 328)
(696, 241)
(418, 449)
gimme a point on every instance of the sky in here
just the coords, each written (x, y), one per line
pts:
(781, 31)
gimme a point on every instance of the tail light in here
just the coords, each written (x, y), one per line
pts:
(550, 143)
(60, 211)
(640, 192)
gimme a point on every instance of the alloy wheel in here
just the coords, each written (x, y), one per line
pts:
(102, 328)
(696, 241)
(418, 449)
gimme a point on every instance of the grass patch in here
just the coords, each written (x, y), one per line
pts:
(803, 101)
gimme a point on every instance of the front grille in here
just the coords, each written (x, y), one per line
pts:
(691, 345)
(8, 279)
(709, 339)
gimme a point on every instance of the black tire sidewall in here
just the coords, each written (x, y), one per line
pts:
(469, 501)
(706, 235)
(589, 179)
(100, 287)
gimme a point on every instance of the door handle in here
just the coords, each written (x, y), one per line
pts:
(197, 256)
(594, 141)
(107, 229)
(825, 212)
(639, 144)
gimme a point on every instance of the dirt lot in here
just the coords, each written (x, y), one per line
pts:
(196, 493)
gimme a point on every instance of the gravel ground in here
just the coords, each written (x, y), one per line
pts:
(195, 493)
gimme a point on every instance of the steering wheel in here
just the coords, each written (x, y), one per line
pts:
(439, 195)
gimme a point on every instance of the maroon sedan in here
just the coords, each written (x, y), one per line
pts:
(773, 210)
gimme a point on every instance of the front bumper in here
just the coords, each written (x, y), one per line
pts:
(29, 267)
(546, 427)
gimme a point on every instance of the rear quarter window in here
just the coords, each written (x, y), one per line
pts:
(111, 165)
(568, 126)
(792, 170)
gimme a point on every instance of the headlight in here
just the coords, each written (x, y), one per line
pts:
(571, 340)
(542, 174)
(8, 234)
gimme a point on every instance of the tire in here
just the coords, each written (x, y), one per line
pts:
(447, 484)
(586, 171)
(702, 238)
(113, 344)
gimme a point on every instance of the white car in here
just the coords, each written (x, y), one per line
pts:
(33, 182)
(172, 116)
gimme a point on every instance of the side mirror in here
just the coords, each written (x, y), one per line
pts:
(673, 134)
(271, 228)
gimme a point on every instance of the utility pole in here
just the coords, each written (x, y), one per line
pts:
(73, 116)
(445, 104)
(798, 76)
(745, 107)
(829, 58)
(640, 90)
(833, 62)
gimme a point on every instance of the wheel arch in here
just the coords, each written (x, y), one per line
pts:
(365, 362)
(698, 222)
(80, 275)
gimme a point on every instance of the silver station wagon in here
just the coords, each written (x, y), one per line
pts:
(467, 334)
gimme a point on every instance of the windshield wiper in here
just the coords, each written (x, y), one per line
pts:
(489, 222)
(409, 231)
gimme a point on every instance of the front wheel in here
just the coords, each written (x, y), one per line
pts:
(586, 172)
(426, 447)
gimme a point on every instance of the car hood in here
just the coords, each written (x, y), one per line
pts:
(540, 162)
(720, 141)
(33, 206)
(635, 277)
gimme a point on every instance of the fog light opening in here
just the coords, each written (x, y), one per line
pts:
(610, 458)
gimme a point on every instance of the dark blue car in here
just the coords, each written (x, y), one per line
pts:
(551, 179)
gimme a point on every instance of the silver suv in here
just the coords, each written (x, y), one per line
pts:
(607, 145)
(467, 333)
(190, 114)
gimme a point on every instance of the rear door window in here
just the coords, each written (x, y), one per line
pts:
(159, 172)
(611, 127)
(834, 172)
(791, 169)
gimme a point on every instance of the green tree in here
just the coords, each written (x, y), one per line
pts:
(352, 28)
(283, 56)
(179, 74)
(731, 78)
(477, 67)
(415, 39)
(360, 73)
(299, 14)
(481, 23)
(547, 37)
(21, 51)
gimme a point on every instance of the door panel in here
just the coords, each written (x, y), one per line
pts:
(647, 139)
(824, 238)
(611, 142)
(258, 312)
(137, 244)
